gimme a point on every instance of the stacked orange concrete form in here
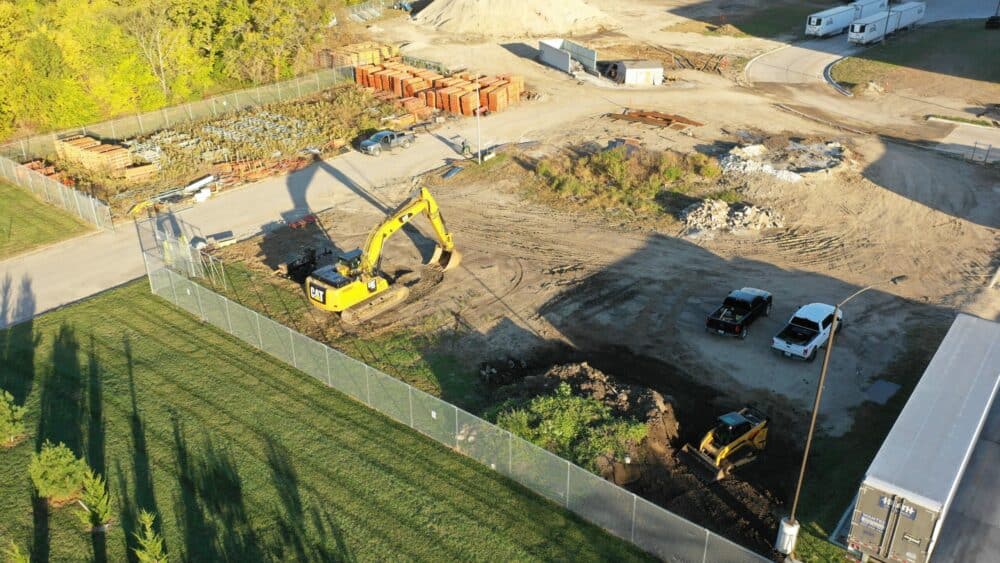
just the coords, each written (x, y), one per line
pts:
(420, 91)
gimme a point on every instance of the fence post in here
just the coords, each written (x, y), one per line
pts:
(201, 310)
(368, 388)
(229, 319)
(632, 533)
(114, 135)
(704, 553)
(510, 452)
(93, 210)
(138, 117)
(329, 376)
(567, 484)
(291, 342)
(260, 338)
(170, 276)
(76, 198)
(409, 396)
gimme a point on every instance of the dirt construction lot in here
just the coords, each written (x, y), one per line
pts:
(545, 280)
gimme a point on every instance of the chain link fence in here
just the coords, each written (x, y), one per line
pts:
(605, 504)
(98, 213)
(77, 203)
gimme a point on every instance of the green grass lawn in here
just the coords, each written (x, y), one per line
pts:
(243, 458)
(972, 52)
(417, 356)
(26, 222)
(778, 18)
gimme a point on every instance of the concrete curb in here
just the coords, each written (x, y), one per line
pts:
(836, 85)
(962, 123)
(746, 69)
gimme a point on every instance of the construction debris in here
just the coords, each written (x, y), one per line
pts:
(717, 215)
(786, 162)
(676, 122)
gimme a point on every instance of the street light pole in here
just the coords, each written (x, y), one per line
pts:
(788, 531)
(479, 133)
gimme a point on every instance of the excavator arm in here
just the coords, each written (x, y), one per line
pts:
(422, 202)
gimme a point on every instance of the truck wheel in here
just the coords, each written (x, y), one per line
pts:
(812, 355)
(767, 310)
(406, 144)
(744, 333)
(376, 151)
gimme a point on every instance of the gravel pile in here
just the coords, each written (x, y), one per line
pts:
(715, 215)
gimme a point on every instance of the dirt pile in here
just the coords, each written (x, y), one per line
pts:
(787, 161)
(716, 215)
(513, 18)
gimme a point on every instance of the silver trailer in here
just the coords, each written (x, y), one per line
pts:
(910, 485)
(838, 19)
(877, 26)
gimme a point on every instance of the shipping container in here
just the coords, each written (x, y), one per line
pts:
(905, 495)
(878, 26)
(837, 20)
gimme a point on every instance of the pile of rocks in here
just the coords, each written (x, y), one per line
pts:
(715, 215)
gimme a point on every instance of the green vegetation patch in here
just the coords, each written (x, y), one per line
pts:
(972, 52)
(776, 19)
(27, 223)
(239, 457)
(580, 429)
(636, 182)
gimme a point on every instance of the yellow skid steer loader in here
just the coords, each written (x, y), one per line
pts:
(737, 439)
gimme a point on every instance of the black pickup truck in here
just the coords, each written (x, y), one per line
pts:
(740, 308)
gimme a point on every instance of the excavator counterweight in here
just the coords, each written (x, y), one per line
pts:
(356, 288)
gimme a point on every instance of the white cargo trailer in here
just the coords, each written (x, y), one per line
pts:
(837, 20)
(876, 27)
(910, 485)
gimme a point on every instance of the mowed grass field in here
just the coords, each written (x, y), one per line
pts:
(940, 51)
(242, 458)
(26, 222)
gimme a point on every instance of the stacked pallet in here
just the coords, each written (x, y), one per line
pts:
(92, 154)
(420, 91)
(364, 53)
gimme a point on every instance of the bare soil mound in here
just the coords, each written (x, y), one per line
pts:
(513, 18)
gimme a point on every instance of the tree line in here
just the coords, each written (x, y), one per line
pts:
(67, 63)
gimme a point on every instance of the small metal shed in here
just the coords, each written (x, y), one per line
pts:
(636, 73)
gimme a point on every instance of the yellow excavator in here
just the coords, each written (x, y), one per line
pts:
(737, 439)
(355, 286)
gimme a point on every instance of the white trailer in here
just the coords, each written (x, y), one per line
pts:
(839, 19)
(908, 490)
(878, 26)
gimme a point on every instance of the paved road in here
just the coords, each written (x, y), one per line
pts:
(65, 273)
(804, 62)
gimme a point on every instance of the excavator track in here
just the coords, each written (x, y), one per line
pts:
(381, 303)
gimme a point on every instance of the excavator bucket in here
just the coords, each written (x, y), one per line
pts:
(701, 464)
(446, 259)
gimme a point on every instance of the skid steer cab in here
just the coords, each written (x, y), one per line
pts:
(737, 439)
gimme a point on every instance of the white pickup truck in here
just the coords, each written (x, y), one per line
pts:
(806, 331)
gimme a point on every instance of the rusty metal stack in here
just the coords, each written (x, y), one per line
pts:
(419, 91)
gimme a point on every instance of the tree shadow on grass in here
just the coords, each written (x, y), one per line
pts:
(144, 497)
(96, 429)
(17, 343)
(292, 525)
(213, 516)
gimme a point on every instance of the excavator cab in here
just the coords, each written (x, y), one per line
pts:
(349, 263)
